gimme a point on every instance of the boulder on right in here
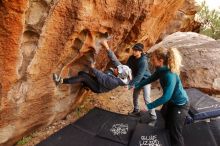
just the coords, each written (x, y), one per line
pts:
(201, 59)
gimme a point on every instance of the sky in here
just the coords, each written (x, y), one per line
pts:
(212, 4)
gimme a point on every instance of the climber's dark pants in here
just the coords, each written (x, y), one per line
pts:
(87, 79)
(174, 116)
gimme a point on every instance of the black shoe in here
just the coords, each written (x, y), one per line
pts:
(153, 117)
(57, 79)
(134, 113)
(148, 119)
(152, 123)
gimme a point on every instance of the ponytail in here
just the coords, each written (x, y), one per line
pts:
(174, 60)
(171, 57)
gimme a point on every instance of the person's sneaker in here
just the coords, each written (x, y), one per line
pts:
(152, 123)
(134, 113)
(153, 117)
(57, 79)
(148, 118)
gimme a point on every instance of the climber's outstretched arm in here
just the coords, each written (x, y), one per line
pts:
(111, 54)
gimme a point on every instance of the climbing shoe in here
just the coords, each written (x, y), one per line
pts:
(57, 79)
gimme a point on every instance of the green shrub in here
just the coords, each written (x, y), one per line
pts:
(24, 140)
(210, 21)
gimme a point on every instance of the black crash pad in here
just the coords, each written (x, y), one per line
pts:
(196, 134)
(103, 128)
(199, 134)
(93, 120)
(109, 125)
(215, 128)
(118, 129)
(202, 106)
(73, 136)
(145, 135)
(98, 125)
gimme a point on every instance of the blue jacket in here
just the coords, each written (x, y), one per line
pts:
(172, 88)
(107, 81)
(139, 67)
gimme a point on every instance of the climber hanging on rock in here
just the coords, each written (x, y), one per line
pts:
(99, 81)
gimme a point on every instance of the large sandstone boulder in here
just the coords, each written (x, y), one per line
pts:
(201, 55)
(184, 20)
(40, 37)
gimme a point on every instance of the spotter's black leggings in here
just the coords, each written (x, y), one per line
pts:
(174, 116)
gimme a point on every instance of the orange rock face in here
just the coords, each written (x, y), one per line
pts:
(39, 38)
